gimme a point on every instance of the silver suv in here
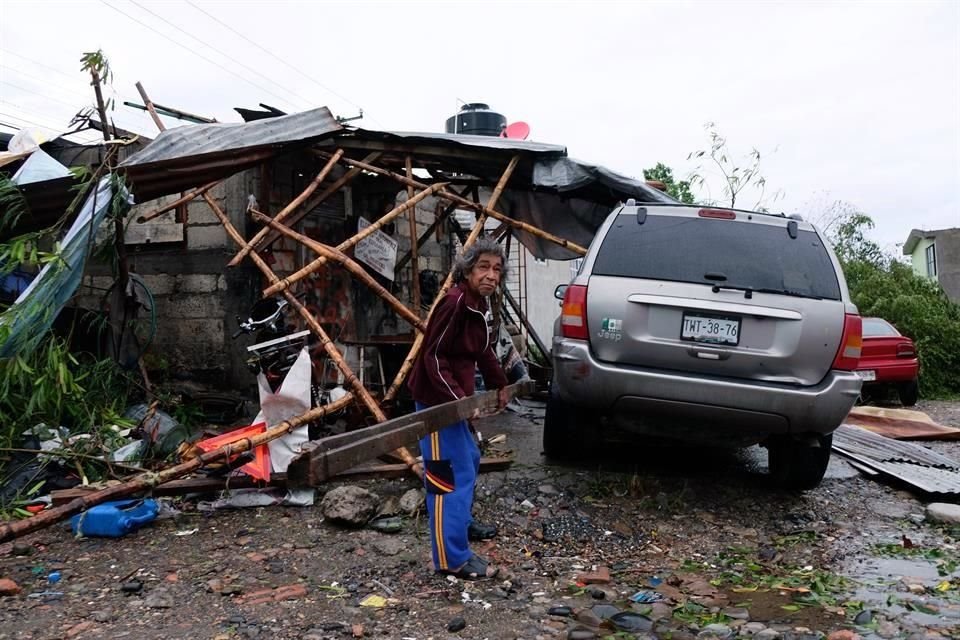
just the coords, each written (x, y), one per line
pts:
(710, 326)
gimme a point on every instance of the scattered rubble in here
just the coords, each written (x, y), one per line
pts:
(349, 505)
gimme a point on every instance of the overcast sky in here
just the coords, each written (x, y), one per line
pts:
(852, 101)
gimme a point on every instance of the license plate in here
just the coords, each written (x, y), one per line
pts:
(867, 376)
(710, 329)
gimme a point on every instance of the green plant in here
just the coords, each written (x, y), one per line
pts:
(882, 286)
(51, 386)
(736, 175)
(677, 189)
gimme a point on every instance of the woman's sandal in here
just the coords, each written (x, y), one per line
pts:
(476, 568)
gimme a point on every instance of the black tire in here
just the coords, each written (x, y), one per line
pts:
(562, 429)
(798, 465)
(909, 392)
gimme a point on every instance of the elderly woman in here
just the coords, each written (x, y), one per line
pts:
(456, 343)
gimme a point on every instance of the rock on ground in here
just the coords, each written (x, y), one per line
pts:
(350, 505)
(943, 512)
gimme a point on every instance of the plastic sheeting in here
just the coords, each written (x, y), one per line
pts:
(32, 314)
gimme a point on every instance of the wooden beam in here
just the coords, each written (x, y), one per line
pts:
(148, 480)
(285, 283)
(438, 220)
(287, 210)
(150, 108)
(415, 264)
(317, 199)
(320, 459)
(484, 209)
(215, 484)
(447, 283)
(331, 253)
(187, 197)
(326, 343)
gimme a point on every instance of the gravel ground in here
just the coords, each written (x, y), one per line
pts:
(713, 550)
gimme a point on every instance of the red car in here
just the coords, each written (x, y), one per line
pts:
(888, 359)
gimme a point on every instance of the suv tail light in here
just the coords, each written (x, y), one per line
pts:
(851, 343)
(906, 351)
(573, 318)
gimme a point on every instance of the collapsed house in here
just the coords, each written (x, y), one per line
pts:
(357, 228)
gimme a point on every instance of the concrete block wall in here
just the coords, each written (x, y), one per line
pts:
(196, 298)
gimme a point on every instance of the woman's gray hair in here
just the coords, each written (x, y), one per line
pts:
(469, 257)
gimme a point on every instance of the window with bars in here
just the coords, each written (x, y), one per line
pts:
(931, 254)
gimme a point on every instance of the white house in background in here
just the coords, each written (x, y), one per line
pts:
(936, 255)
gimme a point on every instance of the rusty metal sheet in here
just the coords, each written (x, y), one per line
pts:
(185, 157)
(913, 464)
(901, 424)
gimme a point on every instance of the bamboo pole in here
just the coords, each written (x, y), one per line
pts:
(475, 233)
(438, 220)
(484, 209)
(187, 197)
(296, 202)
(149, 480)
(326, 343)
(351, 241)
(415, 262)
(308, 318)
(317, 199)
(332, 253)
(150, 107)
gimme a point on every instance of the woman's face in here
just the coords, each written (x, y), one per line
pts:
(484, 278)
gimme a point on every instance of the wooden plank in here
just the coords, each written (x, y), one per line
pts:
(211, 484)
(318, 462)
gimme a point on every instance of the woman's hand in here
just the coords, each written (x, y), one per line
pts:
(503, 398)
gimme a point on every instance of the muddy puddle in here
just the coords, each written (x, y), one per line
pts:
(923, 591)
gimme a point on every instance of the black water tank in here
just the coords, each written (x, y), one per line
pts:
(477, 119)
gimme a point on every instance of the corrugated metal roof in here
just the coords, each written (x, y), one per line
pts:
(191, 155)
(462, 140)
(919, 466)
(866, 443)
(190, 141)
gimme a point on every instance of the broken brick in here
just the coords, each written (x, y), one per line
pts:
(8, 587)
(600, 576)
(288, 592)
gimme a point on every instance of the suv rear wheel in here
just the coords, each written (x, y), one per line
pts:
(563, 429)
(798, 464)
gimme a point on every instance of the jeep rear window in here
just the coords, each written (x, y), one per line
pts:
(750, 255)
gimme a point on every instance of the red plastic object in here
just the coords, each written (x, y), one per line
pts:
(260, 467)
(516, 131)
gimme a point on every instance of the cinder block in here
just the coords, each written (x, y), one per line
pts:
(160, 284)
(175, 309)
(197, 283)
(198, 212)
(206, 237)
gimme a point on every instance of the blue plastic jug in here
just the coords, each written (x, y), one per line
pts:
(115, 519)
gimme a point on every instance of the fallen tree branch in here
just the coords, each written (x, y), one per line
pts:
(146, 481)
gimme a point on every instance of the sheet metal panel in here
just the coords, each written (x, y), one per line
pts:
(186, 157)
(871, 445)
(913, 464)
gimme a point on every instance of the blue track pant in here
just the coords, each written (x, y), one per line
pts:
(451, 461)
